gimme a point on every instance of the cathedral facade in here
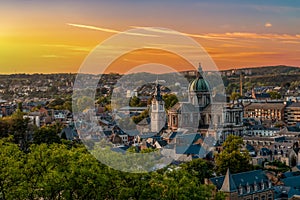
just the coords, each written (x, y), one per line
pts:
(198, 114)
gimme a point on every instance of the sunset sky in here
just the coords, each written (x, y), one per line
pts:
(56, 36)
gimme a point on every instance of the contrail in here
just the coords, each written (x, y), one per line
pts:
(108, 30)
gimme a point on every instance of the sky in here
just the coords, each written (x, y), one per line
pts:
(57, 36)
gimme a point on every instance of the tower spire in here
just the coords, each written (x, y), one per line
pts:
(199, 71)
(228, 183)
(157, 94)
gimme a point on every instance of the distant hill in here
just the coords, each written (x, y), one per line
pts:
(267, 75)
(264, 70)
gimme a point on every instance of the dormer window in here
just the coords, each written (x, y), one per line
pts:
(240, 189)
(255, 186)
(262, 185)
(270, 184)
(248, 188)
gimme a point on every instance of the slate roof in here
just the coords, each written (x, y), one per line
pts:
(147, 135)
(170, 135)
(291, 174)
(294, 105)
(70, 132)
(185, 143)
(183, 107)
(293, 181)
(285, 192)
(241, 181)
(293, 129)
(228, 183)
(265, 106)
(262, 95)
(145, 122)
(132, 132)
(192, 149)
(121, 149)
(162, 143)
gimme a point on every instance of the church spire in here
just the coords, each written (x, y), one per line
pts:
(228, 183)
(199, 71)
(157, 94)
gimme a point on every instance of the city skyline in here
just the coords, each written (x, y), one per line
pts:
(55, 37)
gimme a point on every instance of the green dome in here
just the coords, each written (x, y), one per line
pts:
(198, 85)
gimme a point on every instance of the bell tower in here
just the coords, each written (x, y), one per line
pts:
(158, 113)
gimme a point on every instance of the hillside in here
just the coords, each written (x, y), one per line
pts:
(264, 70)
(269, 75)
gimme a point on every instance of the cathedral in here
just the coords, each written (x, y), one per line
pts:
(196, 115)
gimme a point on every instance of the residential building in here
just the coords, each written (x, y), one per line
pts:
(292, 114)
(251, 185)
(265, 111)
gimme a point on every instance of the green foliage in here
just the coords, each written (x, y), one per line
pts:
(56, 102)
(275, 95)
(141, 116)
(232, 157)
(235, 96)
(170, 100)
(199, 168)
(19, 128)
(61, 104)
(277, 166)
(4, 126)
(57, 171)
(10, 174)
(47, 134)
(136, 102)
(83, 103)
(104, 100)
(232, 87)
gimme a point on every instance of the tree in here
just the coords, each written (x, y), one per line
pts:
(104, 100)
(67, 105)
(134, 102)
(83, 103)
(199, 168)
(235, 96)
(178, 183)
(4, 126)
(141, 116)
(231, 88)
(275, 95)
(232, 157)
(47, 134)
(170, 100)
(56, 102)
(10, 170)
(60, 171)
(20, 129)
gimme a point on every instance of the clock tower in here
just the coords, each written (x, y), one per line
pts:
(158, 113)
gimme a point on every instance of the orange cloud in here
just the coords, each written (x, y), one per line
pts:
(267, 25)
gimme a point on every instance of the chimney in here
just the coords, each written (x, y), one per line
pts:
(241, 84)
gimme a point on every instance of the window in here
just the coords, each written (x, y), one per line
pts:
(248, 189)
(262, 185)
(174, 120)
(241, 190)
(270, 196)
(154, 106)
(160, 107)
